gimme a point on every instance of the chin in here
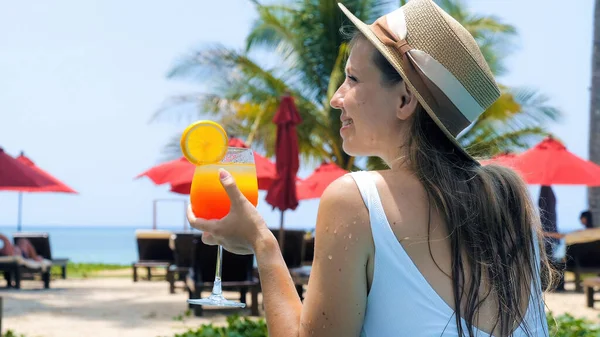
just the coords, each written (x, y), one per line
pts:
(354, 149)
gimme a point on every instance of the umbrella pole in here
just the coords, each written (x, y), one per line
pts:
(19, 216)
(281, 233)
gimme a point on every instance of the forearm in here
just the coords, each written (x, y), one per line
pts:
(283, 306)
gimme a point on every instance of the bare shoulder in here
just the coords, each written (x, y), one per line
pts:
(342, 209)
(342, 192)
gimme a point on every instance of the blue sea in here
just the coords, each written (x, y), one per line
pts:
(88, 244)
(110, 244)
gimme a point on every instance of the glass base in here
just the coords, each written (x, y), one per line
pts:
(217, 300)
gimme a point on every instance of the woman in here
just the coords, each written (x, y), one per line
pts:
(435, 246)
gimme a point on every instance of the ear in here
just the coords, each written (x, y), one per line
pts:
(408, 102)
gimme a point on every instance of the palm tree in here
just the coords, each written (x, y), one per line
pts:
(594, 145)
(304, 37)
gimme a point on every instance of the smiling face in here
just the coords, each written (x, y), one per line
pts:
(374, 113)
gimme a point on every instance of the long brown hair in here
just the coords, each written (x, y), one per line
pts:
(494, 228)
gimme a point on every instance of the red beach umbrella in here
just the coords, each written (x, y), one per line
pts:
(314, 186)
(14, 175)
(282, 193)
(550, 163)
(54, 185)
(504, 159)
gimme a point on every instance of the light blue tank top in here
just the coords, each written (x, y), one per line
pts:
(401, 302)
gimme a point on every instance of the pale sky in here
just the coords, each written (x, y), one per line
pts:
(79, 81)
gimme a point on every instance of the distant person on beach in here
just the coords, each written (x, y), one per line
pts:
(586, 219)
(437, 245)
(23, 248)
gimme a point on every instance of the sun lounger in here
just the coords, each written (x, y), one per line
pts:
(583, 253)
(17, 268)
(182, 245)
(309, 251)
(293, 246)
(236, 276)
(294, 249)
(41, 243)
(153, 251)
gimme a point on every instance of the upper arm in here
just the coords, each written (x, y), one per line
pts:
(337, 292)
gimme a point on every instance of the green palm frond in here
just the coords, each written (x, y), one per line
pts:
(272, 27)
(488, 142)
(243, 92)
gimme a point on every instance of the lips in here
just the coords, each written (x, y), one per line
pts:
(347, 122)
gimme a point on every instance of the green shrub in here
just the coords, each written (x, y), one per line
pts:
(568, 326)
(10, 333)
(560, 326)
(85, 270)
(236, 327)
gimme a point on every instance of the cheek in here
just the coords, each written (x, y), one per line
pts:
(375, 109)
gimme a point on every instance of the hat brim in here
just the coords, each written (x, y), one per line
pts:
(388, 53)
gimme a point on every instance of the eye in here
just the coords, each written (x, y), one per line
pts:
(351, 78)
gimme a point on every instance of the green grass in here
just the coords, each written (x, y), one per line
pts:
(87, 270)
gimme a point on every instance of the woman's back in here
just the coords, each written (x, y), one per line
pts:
(410, 282)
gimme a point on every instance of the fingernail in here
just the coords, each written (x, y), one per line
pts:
(223, 174)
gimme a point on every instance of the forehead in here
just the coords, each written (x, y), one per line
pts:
(361, 54)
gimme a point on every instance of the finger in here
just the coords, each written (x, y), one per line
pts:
(190, 214)
(198, 223)
(208, 239)
(235, 196)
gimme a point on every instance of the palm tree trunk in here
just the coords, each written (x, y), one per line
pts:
(594, 145)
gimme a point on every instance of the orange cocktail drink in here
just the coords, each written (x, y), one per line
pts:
(208, 197)
(204, 144)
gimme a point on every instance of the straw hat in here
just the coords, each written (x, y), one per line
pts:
(439, 60)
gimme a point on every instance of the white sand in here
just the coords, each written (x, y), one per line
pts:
(119, 307)
(101, 307)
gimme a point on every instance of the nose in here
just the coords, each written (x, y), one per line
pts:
(337, 100)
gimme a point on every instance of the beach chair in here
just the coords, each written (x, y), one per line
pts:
(309, 251)
(293, 246)
(18, 268)
(237, 275)
(182, 245)
(583, 254)
(153, 251)
(41, 243)
(294, 249)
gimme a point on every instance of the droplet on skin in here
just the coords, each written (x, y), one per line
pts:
(346, 248)
(323, 326)
(330, 257)
(350, 236)
(354, 222)
(335, 231)
(326, 229)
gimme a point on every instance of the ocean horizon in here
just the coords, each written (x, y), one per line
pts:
(109, 244)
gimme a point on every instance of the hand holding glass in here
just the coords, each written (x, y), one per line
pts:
(210, 201)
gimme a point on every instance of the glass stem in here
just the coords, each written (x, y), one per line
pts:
(217, 290)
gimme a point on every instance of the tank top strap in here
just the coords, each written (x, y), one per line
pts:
(368, 190)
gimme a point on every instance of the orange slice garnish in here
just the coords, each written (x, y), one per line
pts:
(204, 142)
